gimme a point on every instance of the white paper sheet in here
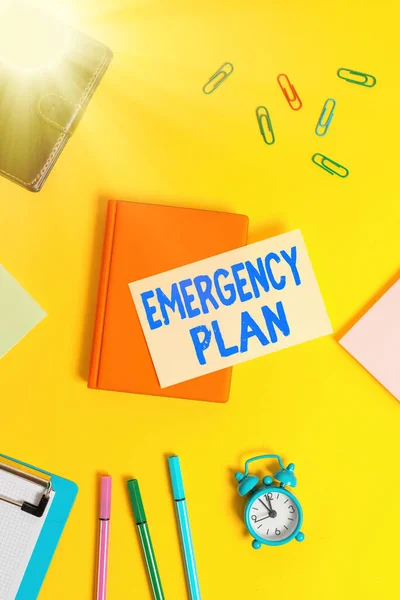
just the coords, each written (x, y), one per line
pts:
(19, 531)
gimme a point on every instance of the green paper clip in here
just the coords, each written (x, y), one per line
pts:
(341, 170)
(365, 79)
(266, 130)
(224, 72)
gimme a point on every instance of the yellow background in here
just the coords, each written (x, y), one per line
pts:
(150, 134)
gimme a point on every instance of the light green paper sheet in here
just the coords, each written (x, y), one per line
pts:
(19, 313)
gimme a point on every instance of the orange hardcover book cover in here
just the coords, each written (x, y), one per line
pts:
(143, 240)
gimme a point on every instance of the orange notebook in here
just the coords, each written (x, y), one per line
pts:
(143, 240)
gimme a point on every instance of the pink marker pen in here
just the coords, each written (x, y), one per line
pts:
(104, 537)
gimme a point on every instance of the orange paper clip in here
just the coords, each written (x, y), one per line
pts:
(293, 99)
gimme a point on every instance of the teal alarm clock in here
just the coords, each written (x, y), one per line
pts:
(272, 514)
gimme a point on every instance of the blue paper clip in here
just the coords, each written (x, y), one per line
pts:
(218, 78)
(341, 171)
(358, 78)
(322, 127)
(266, 130)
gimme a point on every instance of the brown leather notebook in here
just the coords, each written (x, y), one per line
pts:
(143, 240)
(41, 106)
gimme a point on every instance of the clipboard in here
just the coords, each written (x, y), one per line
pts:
(54, 498)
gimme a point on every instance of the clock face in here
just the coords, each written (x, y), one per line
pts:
(273, 516)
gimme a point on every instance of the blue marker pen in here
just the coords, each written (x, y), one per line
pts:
(184, 528)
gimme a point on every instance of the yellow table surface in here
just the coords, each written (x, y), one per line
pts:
(150, 134)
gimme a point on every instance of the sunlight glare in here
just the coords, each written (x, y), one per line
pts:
(33, 35)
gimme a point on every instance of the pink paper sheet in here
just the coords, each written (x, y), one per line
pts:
(375, 340)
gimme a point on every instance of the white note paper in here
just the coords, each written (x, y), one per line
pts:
(229, 308)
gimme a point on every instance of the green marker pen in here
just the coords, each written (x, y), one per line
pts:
(148, 551)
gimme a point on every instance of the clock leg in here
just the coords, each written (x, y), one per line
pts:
(256, 545)
(300, 537)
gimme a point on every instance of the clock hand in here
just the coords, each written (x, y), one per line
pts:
(269, 502)
(265, 506)
(272, 513)
(262, 519)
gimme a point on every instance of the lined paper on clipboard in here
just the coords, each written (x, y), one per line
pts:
(19, 530)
